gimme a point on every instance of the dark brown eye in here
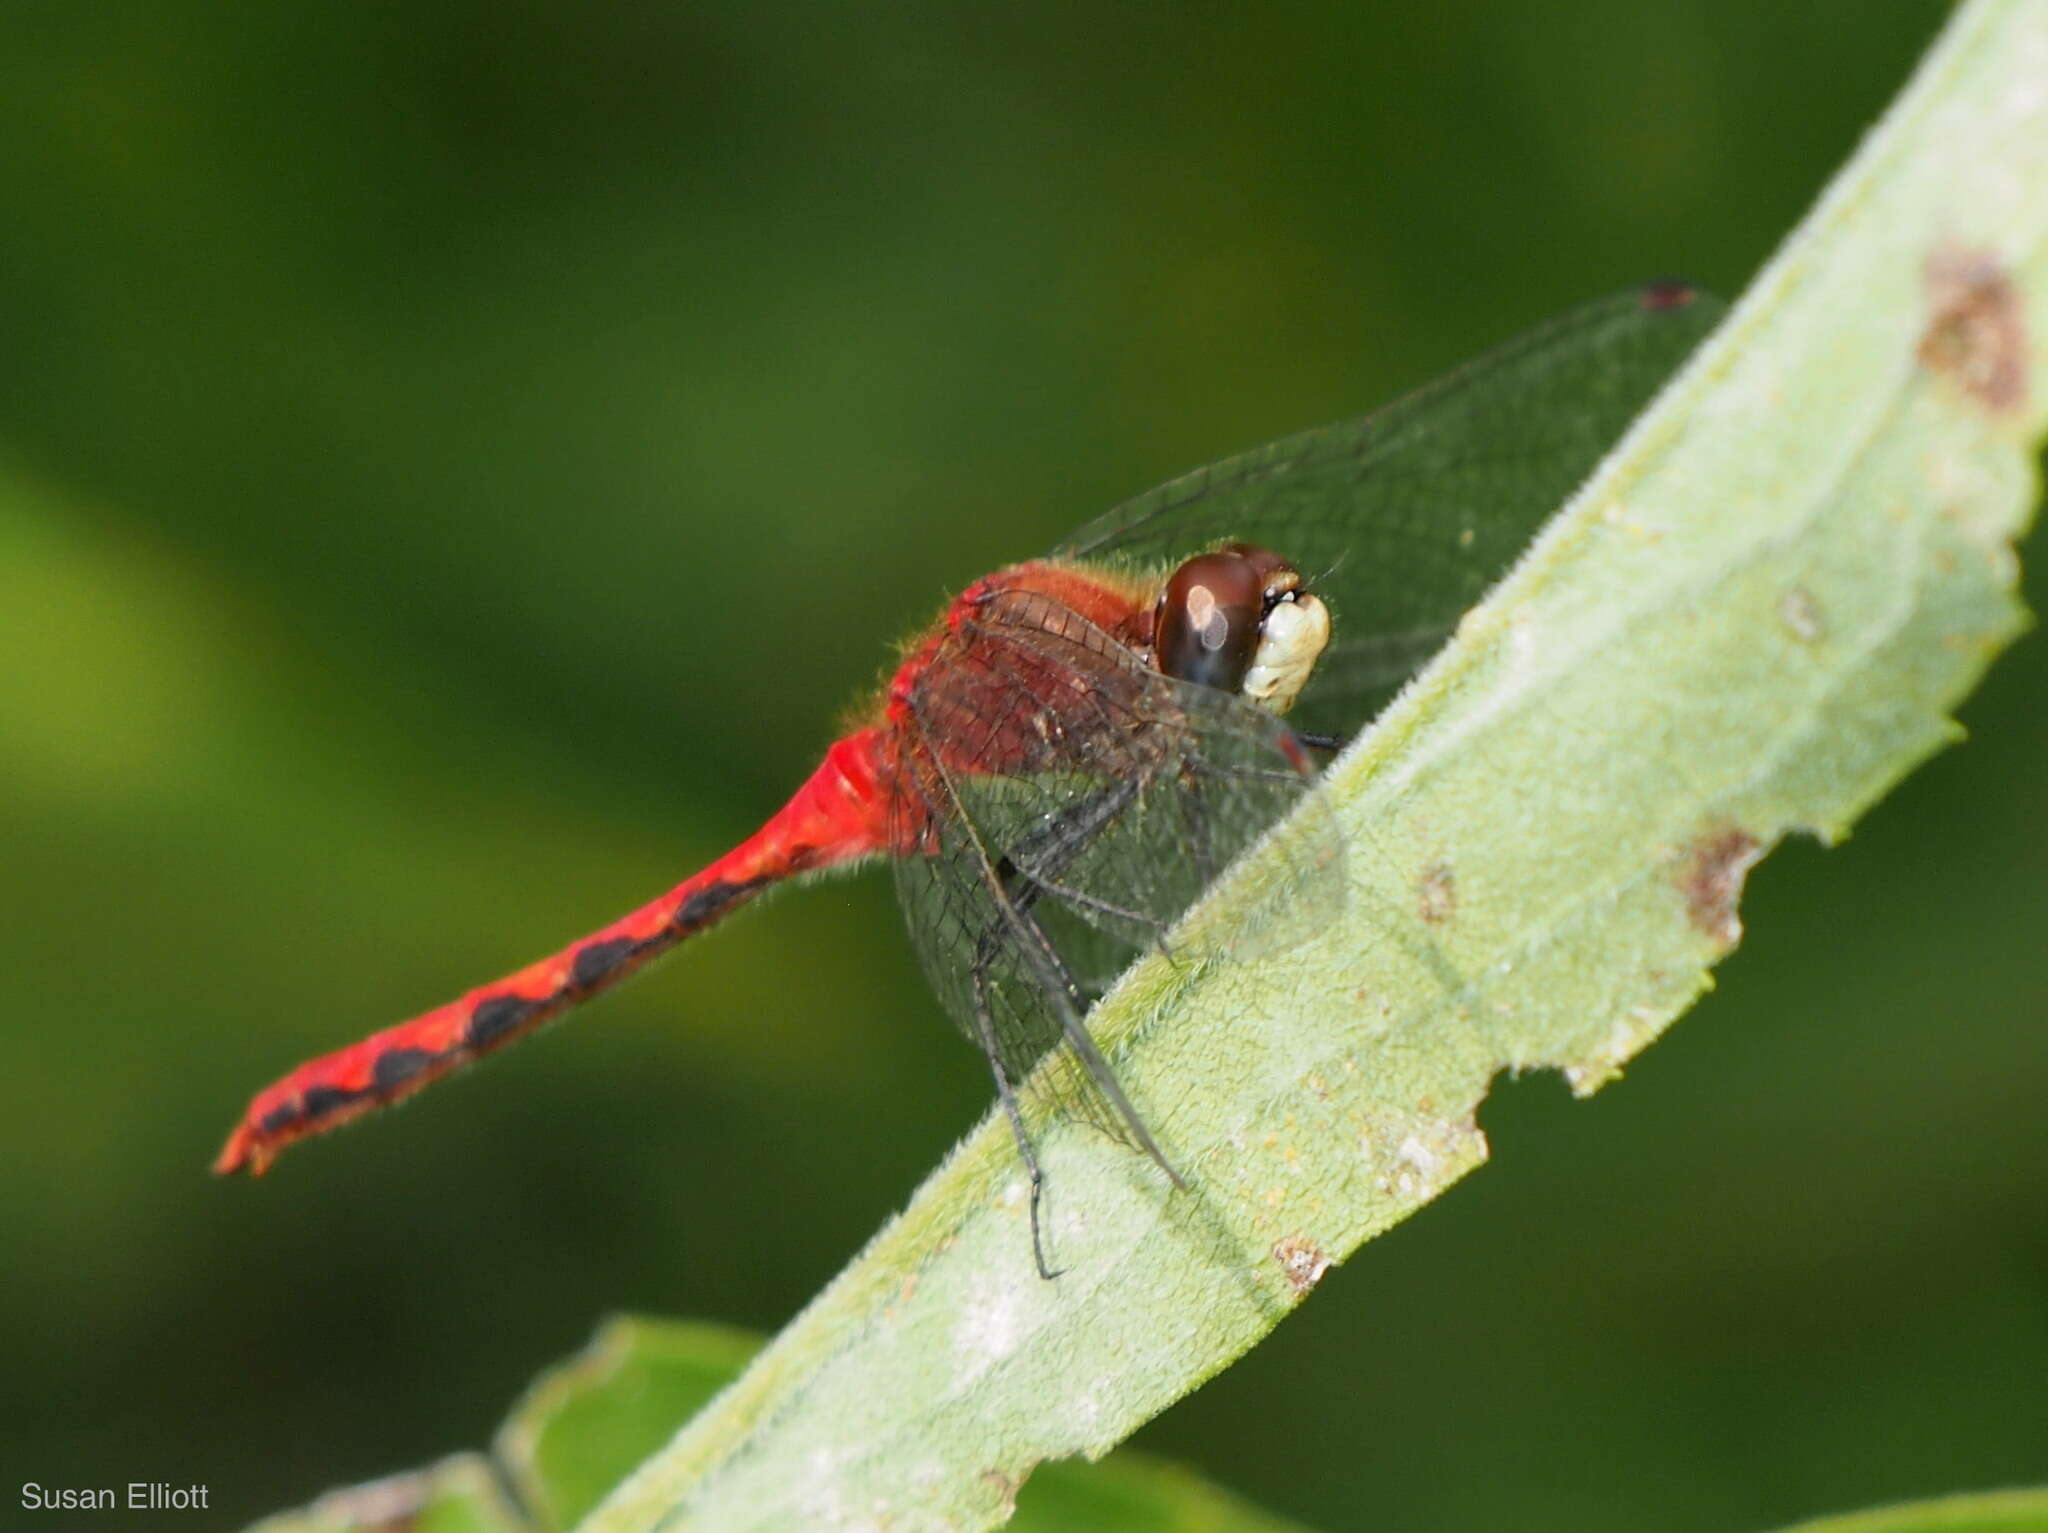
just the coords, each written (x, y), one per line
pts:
(1207, 627)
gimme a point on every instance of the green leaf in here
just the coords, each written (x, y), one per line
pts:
(457, 1495)
(585, 1424)
(1754, 620)
(1135, 1493)
(2000, 1511)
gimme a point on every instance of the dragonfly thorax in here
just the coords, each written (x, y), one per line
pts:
(1239, 620)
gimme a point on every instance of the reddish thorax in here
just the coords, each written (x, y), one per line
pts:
(990, 732)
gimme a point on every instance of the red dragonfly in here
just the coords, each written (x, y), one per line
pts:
(1073, 751)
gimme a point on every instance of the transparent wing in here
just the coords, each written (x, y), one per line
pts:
(1070, 804)
(1403, 518)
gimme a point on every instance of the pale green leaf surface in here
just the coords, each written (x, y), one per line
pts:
(1754, 620)
(1998, 1511)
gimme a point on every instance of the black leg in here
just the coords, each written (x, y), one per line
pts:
(1038, 860)
(1060, 989)
(985, 1021)
(1042, 961)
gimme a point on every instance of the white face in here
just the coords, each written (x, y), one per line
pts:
(1237, 619)
(1291, 640)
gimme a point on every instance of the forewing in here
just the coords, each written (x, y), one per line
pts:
(1070, 804)
(1403, 518)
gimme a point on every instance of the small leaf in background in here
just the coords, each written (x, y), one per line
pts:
(457, 1495)
(587, 1422)
(1999, 1511)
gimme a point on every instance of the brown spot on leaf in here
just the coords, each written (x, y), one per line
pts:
(1711, 881)
(1303, 1261)
(1007, 1487)
(1976, 332)
(1436, 896)
(1801, 613)
(1666, 295)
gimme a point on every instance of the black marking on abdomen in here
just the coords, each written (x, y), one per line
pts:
(595, 961)
(319, 1101)
(706, 904)
(395, 1067)
(278, 1119)
(495, 1017)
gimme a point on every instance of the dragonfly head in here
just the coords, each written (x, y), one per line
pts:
(1240, 620)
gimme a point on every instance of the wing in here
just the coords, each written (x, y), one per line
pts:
(1069, 803)
(1403, 518)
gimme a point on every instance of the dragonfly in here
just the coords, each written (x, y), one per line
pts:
(1070, 755)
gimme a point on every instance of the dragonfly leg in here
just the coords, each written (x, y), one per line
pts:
(1044, 961)
(1158, 925)
(1064, 837)
(1039, 859)
(985, 1021)
(1201, 768)
(1330, 743)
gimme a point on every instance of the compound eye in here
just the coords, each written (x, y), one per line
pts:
(1207, 626)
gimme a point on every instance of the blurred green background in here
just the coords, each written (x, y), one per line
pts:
(457, 458)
